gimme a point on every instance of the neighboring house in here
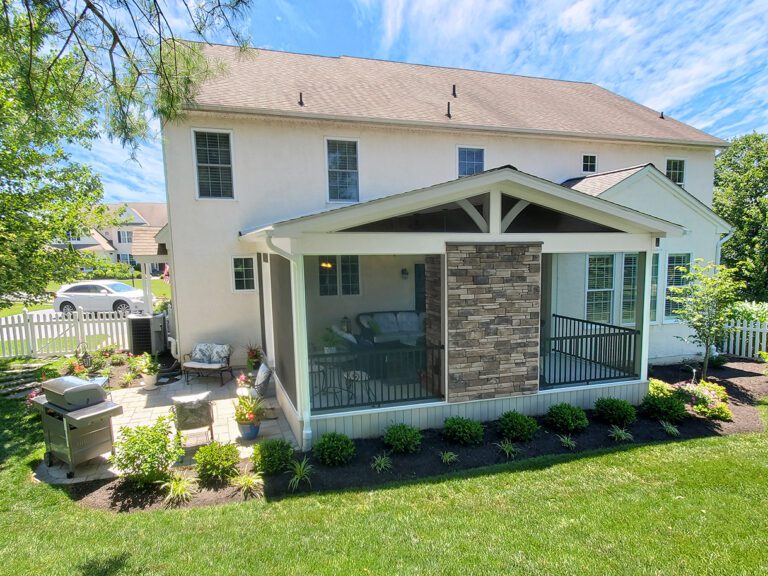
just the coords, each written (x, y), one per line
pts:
(95, 242)
(466, 242)
(142, 218)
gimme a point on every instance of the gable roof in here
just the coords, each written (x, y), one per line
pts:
(348, 88)
(143, 213)
(144, 243)
(609, 182)
(397, 204)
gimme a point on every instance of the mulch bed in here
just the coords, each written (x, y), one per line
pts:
(744, 381)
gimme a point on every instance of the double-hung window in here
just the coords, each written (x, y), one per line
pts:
(600, 288)
(343, 175)
(124, 237)
(629, 289)
(213, 155)
(677, 268)
(588, 163)
(126, 259)
(335, 271)
(471, 161)
(654, 286)
(676, 171)
(245, 278)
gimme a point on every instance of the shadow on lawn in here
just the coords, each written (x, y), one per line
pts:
(20, 432)
(104, 566)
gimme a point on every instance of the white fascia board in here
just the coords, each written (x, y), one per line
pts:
(387, 243)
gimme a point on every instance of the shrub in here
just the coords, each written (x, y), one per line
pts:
(707, 399)
(508, 449)
(217, 462)
(118, 359)
(619, 434)
(250, 484)
(178, 490)
(144, 454)
(463, 430)
(662, 403)
(381, 463)
(127, 379)
(334, 449)
(566, 418)
(272, 456)
(449, 458)
(615, 412)
(718, 361)
(403, 439)
(517, 427)
(302, 473)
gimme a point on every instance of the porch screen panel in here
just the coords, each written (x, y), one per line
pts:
(282, 315)
(600, 288)
(677, 266)
(629, 289)
(328, 275)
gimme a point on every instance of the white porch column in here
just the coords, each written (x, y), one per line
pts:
(146, 285)
(300, 349)
(643, 310)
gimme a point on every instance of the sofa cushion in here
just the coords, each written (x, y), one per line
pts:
(408, 322)
(220, 353)
(344, 335)
(387, 322)
(202, 353)
(192, 365)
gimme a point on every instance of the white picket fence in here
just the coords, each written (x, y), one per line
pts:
(56, 333)
(748, 340)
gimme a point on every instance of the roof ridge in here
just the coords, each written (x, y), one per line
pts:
(628, 168)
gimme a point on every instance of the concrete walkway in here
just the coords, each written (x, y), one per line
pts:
(143, 407)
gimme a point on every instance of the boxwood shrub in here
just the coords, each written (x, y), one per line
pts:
(463, 430)
(566, 418)
(334, 449)
(403, 438)
(662, 403)
(615, 412)
(272, 456)
(517, 427)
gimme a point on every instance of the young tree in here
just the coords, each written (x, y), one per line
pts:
(741, 198)
(705, 303)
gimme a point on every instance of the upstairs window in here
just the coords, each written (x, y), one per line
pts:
(343, 176)
(677, 267)
(471, 161)
(338, 271)
(589, 163)
(600, 288)
(213, 155)
(676, 171)
(245, 278)
(124, 237)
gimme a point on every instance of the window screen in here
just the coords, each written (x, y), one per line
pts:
(343, 182)
(214, 164)
(629, 289)
(676, 171)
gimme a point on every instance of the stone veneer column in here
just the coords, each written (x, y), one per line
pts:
(494, 301)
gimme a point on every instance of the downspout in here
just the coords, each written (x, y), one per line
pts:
(719, 245)
(299, 339)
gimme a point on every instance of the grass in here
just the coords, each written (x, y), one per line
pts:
(695, 507)
(94, 341)
(159, 290)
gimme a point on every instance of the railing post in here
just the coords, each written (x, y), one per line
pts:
(79, 326)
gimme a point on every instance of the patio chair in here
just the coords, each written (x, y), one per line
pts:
(193, 412)
(207, 359)
(262, 380)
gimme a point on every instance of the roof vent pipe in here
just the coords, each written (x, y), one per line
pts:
(454, 91)
(301, 99)
(661, 115)
(449, 110)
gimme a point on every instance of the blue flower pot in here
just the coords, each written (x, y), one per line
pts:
(249, 431)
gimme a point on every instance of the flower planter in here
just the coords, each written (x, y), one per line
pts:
(249, 431)
(150, 381)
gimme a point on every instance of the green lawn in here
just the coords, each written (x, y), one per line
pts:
(17, 307)
(696, 507)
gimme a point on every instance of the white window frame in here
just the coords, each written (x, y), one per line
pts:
(581, 169)
(328, 199)
(670, 319)
(235, 289)
(231, 133)
(612, 290)
(658, 288)
(339, 293)
(121, 232)
(473, 147)
(685, 169)
(620, 310)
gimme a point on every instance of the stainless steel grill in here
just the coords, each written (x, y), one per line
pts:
(77, 421)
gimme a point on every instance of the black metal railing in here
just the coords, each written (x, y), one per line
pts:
(580, 351)
(376, 377)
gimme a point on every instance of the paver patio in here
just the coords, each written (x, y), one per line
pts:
(143, 407)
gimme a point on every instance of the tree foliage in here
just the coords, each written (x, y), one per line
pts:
(741, 198)
(706, 301)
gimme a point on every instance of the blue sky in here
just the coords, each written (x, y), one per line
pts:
(702, 62)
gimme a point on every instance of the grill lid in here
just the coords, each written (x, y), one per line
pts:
(71, 393)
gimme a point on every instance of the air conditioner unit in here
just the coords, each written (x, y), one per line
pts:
(146, 334)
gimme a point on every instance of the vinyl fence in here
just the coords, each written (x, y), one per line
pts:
(56, 333)
(748, 340)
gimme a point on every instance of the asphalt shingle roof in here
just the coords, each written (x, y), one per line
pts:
(596, 184)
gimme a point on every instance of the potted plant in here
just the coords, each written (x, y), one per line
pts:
(245, 384)
(255, 356)
(150, 368)
(331, 341)
(249, 411)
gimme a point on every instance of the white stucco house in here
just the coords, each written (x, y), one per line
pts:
(410, 242)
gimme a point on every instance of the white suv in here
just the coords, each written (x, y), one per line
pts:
(99, 296)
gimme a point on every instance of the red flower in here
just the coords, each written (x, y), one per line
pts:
(251, 416)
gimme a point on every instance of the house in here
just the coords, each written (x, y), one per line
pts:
(139, 223)
(411, 242)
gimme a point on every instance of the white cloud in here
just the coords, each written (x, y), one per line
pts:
(577, 17)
